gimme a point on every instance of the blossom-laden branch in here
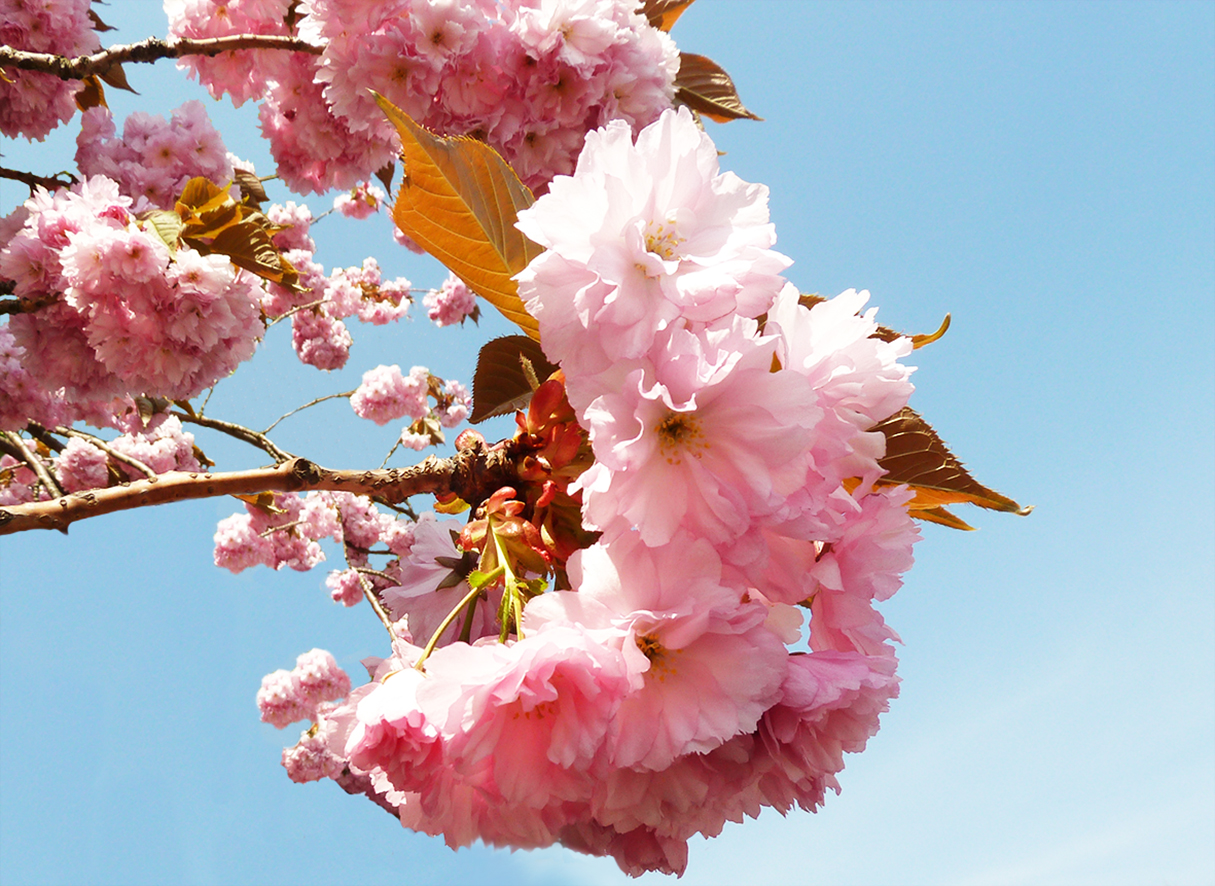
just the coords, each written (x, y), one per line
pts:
(146, 51)
(467, 474)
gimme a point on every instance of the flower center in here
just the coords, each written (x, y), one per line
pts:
(662, 662)
(662, 240)
(679, 432)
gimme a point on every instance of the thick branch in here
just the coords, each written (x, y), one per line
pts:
(473, 475)
(150, 50)
(31, 180)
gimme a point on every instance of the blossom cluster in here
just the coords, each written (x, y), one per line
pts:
(528, 77)
(33, 103)
(155, 157)
(665, 684)
(127, 314)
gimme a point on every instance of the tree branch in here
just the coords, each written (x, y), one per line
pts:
(240, 432)
(31, 181)
(146, 51)
(473, 474)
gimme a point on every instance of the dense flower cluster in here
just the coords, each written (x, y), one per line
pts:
(33, 103)
(530, 77)
(155, 157)
(660, 691)
(451, 303)
(127, 315)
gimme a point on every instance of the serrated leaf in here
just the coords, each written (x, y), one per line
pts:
(916, 456)
(116, 77)
(167, 225)
(459, 201)
(661, 14)
(500, 383)
(706, 88)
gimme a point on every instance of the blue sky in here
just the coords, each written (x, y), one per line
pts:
(1045, 172)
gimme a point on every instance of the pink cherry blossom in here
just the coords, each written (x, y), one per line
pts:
(386, 395)
(451, 303)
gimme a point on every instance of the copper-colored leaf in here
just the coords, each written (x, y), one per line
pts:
(248, 246)
(500, 383)
(251, 188)
(98, 24)
(90, 94)
(116, 77)
(942, 517)
(459, 201)
(385, 174)
(915, 455)
(661, 14)
(885, 333)
(704, 87)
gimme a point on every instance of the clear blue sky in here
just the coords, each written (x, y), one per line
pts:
(1045, 172)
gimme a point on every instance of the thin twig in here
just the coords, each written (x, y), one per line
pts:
(384, 463)
(146, 51)
(240, 432)
(35, 464)
(296, 310)
(305, 406)
(108, 450)
(374, 601)
(384, 575)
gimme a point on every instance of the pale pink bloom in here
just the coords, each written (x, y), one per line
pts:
(866, 563)
(386, 395)
(22, 397)
(643, 235)
(280, 702)
(319, 677)
(345, 587)
(295, 220)
(525, 721)
(703, 665)
(33, 103)
(241, 74)
(393, 734)
(238, 546)
(362, 201)
(315, 150)
(18, 484)
(461, 404)
(155, 158)
(416, 442)
(830, 704)
(81, 465)
(715, 443)
(320, 340)
(451, 303)
(311, 760)
(431, 562)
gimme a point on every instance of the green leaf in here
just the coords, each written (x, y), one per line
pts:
(459, 201)
(167, 225)
(500, 383)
